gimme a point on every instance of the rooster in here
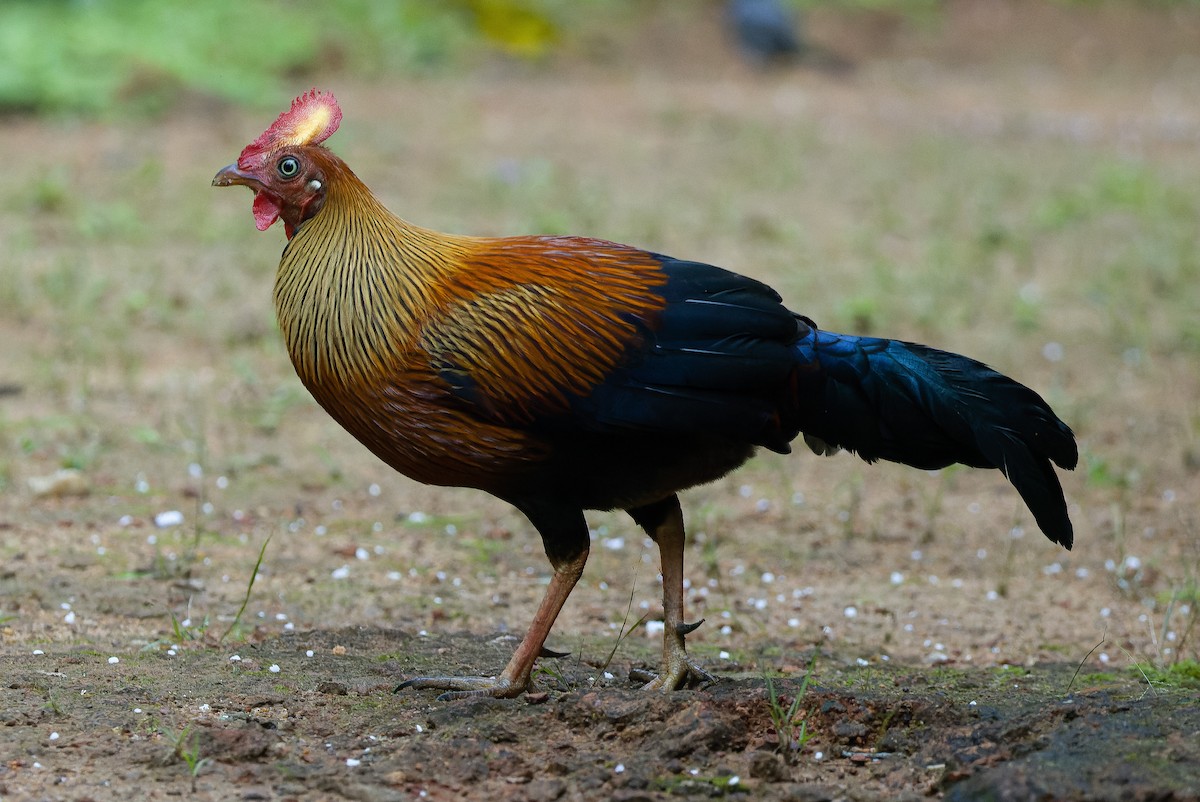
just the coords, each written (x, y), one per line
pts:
(564, 374)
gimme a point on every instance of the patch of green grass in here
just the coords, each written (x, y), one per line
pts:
(1184, 674)
(185, 746)
(99, 56)
(700, 786)
(791, 728)
(236, 623)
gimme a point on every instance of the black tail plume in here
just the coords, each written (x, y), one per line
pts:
(908, 403)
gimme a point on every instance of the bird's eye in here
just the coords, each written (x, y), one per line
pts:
(288, 166)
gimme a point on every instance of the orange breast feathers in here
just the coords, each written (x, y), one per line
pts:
(526, 323)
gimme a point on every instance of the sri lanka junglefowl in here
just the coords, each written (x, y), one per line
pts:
(564, 374)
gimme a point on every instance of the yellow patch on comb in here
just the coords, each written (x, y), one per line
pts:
(312, 119)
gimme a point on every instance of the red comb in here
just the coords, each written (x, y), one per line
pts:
(312, 119)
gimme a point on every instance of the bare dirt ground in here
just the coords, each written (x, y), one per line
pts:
(935, 186)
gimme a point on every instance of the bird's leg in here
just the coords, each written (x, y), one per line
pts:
(568, 553)
(663, 521)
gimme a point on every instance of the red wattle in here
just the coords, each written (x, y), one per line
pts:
(266, 211)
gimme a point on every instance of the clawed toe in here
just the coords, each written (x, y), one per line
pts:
(465, 687)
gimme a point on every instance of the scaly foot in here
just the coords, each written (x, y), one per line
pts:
(464, 687)
(678, 670)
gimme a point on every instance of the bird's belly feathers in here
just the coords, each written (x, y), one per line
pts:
(410, 425)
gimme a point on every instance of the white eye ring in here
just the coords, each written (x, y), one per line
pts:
(314, 185)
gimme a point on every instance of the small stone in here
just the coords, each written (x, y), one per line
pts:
(767, 766)
(60, 484)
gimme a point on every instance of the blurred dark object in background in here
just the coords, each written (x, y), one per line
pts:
(766, 32)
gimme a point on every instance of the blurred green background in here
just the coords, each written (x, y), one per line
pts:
(98, 56)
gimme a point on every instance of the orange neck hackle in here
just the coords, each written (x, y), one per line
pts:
(358, 278)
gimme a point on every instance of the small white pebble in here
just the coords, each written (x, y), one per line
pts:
(619, 768)
(362, 554)
(862, 661)
(1105, 612)
(374, 490)
(340, 573)
(38, 651)
(992, 595)
(818, 755)
(793, 622)
(54, 736)
(204, 708)
(916, 555)
(850, 612)
(735, 780)
(1104, 657)
(1132, 563)
(235, 658)
(308, 653)
(768, 577)
(69, 617)
(613, 543)
(112, 661)
(655, 627)
(353, 761)
(420, 729)
(1052, 351)
(724, 655)
(169, 518)
(274, 669)
(417, 517)
(897, 578)
(972, 703)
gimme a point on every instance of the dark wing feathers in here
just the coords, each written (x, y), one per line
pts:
(715, 359)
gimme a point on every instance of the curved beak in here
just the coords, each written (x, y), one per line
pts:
(231, 175)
